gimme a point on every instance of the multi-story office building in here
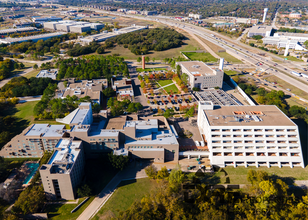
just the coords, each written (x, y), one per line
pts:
(201, 75)
(62, 175)
(258, 135)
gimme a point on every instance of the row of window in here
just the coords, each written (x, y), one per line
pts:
(255, 130)
(250, 135)
(258, 154)
(253, 141)
(256, 147)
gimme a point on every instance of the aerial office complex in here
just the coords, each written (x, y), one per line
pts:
(201, 75)
(73, 26)
(258, 135)
(138, 136)
(123, 87)
(293, 40)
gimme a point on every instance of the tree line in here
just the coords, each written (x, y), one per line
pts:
(22, 86)
(92, 67)
(141, 42)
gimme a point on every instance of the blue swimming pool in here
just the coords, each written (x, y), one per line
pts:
(33, 168)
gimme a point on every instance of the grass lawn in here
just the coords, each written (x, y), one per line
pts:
(189, 45)
(32, 73)
(63, 211)
(171, 87)
(238, 175)
(286, 85)
(231, 72)
(229, 58)
(25, 111)
(149, 69)
(165, 82)
(207, 57)
(291, 58)
(124, 196)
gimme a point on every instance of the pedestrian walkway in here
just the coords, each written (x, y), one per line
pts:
(161, 87)
(135, 170)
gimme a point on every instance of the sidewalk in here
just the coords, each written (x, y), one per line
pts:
(135, 170)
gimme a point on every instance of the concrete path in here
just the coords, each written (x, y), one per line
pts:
(135, 170)
(5, 81)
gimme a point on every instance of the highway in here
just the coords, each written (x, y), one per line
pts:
(236, 49)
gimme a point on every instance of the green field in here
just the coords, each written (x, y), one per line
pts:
(291, 58)
(229, 58)
(124, 196)
(63, 211)
(207, 57)
(171, 87)
(139, 70)
(165, 82)
(238, 175)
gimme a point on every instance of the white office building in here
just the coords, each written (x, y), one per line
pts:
(260, 135)
(264, 31)
(201, 75)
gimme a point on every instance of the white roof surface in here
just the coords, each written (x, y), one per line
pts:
(66, 151)
(46, 130)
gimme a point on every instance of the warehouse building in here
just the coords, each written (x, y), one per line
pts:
(264, 31)
(73, 26)
(63, 173)
(34, 38)
(17, 30)
(260, 135)
(46, 19)
(201, 75)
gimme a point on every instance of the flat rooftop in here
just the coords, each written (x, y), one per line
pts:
(35, 37)
(259, 115)
(260, 29)
(48, 74)
(198, 68)
(79, 116)
(46, 130)
(116, 123)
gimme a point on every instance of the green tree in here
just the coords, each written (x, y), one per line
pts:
(29, 201)
(176, 178)
(84, 191)
(168, 113)
(109, 92)
(139, 59)
(163, 173)
(100, 50)
(147, 59)
(118, 162)
(151, 171)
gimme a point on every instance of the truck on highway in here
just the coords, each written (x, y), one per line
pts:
(296, 73)
(304, 75)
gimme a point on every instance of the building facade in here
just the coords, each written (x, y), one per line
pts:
(63, 173)
(201, 75)
(249, 136)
